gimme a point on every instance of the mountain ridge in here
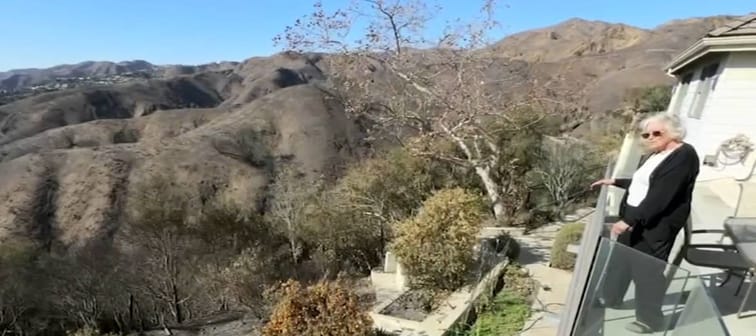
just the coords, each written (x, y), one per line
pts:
(577, 31)
(77, 155)
(187, 116)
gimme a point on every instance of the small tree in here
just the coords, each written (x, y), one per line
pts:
(162, 239)
(249, 274)
(408, 82)
(649, 99)
(337, 238)
(241, 253)
(86, 285)
(289, 200)
(19, 293)
(389, 187)
(326, 308)
(436, 246)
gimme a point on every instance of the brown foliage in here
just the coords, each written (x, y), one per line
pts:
(337, 238)
(326, 308)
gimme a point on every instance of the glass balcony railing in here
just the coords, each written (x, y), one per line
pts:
(626, 285)
(614, 285)
(700, 315)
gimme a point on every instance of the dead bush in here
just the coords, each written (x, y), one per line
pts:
(326, 308)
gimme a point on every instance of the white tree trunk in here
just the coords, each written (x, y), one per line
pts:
(484, 172)
(492, 190)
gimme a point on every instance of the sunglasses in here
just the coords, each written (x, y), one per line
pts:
(656, 134)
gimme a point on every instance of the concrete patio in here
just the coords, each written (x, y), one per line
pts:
(677, 297)
(709, 212)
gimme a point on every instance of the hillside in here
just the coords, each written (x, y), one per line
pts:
(93, 143)
(600, 61)
(74, 157)
(106, 136)
(15, 80)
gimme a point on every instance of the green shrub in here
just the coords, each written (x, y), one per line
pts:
(505, 317)
(436, 246)
(568, 235)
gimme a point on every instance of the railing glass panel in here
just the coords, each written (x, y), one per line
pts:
(700, 316)
(626, 285)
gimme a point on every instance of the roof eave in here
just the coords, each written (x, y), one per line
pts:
(711, 44)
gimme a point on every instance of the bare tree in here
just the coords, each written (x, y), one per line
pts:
(412, 84)
(290, 195)
(160, 237)
(17, 288)
(564, 177)
(85, 284)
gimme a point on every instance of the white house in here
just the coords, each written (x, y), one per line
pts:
(715, 96)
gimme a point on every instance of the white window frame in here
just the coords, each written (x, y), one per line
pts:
(707, 81)
(681, 91)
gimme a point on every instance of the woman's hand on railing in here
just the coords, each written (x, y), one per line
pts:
(620, 228)
(602, 182)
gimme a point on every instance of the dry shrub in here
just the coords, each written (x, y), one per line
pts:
(88, 331)
(326, 308)
(562, 172)
(518, 280)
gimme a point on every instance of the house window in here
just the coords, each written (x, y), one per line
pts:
(706, 84)
(682, 91)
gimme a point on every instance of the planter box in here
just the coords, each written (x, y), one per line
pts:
(449, 312)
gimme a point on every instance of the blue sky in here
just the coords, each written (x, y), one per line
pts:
(42, 33)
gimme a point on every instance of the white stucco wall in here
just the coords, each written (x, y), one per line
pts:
(730, 109)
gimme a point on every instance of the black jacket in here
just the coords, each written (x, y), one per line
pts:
(666, 207)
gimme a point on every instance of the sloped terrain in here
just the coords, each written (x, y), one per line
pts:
(73, 160)
(17, 79)
(69, 159)
(21, 78)
(598, 61)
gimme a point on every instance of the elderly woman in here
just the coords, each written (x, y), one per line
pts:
(653, 210)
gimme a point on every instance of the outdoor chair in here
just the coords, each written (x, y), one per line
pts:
(722, 256)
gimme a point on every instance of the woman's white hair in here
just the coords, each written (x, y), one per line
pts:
(671, 122)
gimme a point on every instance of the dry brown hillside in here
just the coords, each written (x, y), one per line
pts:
(69, 159)
(600, 61)
(215, 145)
(65, 175)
